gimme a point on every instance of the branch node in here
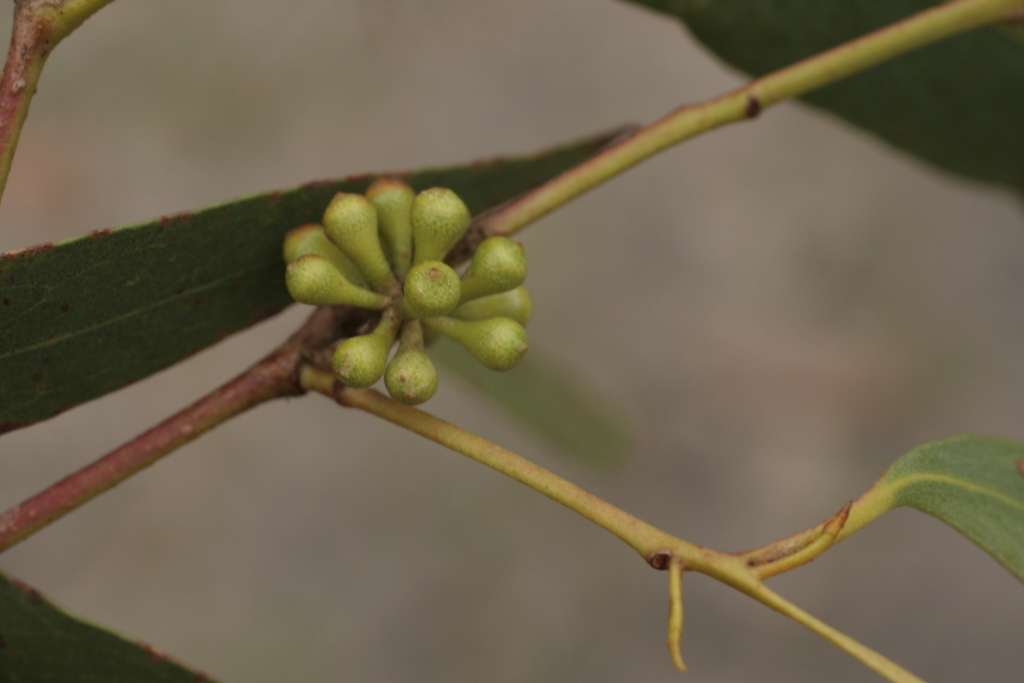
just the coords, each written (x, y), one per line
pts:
(753, 107)
(660, 559)
(836, 523)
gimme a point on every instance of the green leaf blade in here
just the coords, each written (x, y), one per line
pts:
(39, 643)
(957, 103)
(90, 315)
(550, 400)
(973, 483)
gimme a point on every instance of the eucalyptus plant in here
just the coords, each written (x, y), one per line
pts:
(397, 259)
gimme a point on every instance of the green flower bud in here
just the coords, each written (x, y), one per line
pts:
(411, 378)
(439, 219)
(360, 361)
(311, 239)
(431, 289)
(498, 343)
(393, 201)
(498, 265)
(351, 223)
(516, 304)
(312, 279)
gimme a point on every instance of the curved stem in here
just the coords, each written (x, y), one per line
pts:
(660, 549)
(641, 536)
(862, 653)
(675, 611)
(790, 553)
(654, 545)
(38, 26)
(747, 102)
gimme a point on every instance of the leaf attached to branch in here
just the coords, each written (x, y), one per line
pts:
(957, 103)
(90, 315)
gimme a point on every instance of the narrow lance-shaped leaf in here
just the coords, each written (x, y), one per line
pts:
(555, 403)
(85, 317)
(957, 103)
(41, 644)
(973, 483)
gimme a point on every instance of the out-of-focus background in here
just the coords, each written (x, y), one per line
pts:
(783, 307)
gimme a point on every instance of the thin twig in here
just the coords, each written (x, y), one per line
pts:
(748, 102)
(868, 657)
(660, 549)
(651, 543)
(475, 234)
(38, 26)
(675, 612)
(273, 377)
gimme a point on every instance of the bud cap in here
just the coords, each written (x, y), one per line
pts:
(498, 343)
(431, 288)
(311, 239)
(411, 377)
(498, 265)
(312, 279)
(439, 218)
(360, 361)
(351, 223)
(393, 200)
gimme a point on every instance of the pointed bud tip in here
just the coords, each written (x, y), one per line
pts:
(411, 378)
(309, 278)
(499, 265)
(439, 219)
(498, 343)
(385, 185)
(360, 361)
(431, 289)
(350, 222)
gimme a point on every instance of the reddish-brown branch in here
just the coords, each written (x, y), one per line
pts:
(273, 377)
(38, 26)
(30, 45)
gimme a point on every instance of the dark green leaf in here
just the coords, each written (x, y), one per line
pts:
(548, 398)
(973, 483)
(957, 103)
(41, 644)
(86, 317)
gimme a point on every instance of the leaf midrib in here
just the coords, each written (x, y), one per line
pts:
(909, 479)
(111, 321)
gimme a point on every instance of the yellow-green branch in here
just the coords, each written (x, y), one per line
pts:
(651, 543)
(675, 611)
(747, 102)
(658, 548)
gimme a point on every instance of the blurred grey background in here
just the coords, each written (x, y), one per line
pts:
(783, 307)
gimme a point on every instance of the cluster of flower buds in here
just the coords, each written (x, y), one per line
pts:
(385, 251)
